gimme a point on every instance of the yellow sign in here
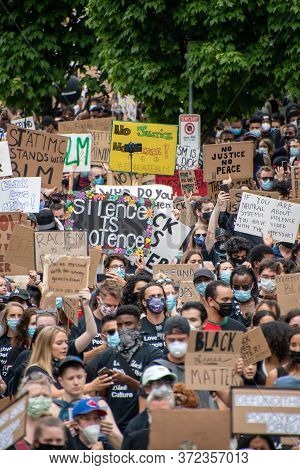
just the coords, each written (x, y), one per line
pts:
(159, 143)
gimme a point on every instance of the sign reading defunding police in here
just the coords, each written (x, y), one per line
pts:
(65, 276)
(158, 148)
(221, 160)
(258, 214)
(271, 411)
(211, 358)
(35, 153)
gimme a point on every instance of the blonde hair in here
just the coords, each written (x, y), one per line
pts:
(42, 350)
(5, 312)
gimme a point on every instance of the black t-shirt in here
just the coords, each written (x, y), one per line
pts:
(5, 348)
(76, 331)
(139, 422)
(153, 334)
(122, 400)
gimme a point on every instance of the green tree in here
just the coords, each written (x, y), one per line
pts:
(40, 43)
(237, 52)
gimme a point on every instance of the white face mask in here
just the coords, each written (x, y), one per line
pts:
(177, 348)
(268, 284)
(266, 126)
(92, 433)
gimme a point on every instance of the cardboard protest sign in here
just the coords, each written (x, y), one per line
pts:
(188, 182)
(65, 276)
(168, 236)
(254, 346)
(158, 148)
(95, 256)
(23, 123)
(288, 292)
(20, 250)
(271, 411)
(222, 160)
(5, 164)
(100, 147)
(176, 272)
(70, 307)
(189, 429)
(186, 214)
(114, 221)
(259, 215)
(174, 182)
(21, 282)
(20, 194)
(187, 292)
(78, 154)
(295, 175)
(85, 125)
(35, 153)
(8, 222)
(13, 422)
(236, 196)
(162, 195)
(117, 178)
(214, 187)
(210, 360)
(187, 158)
(48, 303)
(69, 243)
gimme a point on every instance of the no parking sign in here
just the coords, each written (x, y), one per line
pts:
(189, 130)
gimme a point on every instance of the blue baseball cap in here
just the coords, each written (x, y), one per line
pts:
(87, 405)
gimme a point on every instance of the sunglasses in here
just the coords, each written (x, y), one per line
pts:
(52, 311)
(267, 178)
(242, 287)
(164, 281)
(110, 332)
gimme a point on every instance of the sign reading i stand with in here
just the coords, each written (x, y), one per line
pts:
(189, 130)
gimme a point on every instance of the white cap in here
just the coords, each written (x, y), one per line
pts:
(157, 372)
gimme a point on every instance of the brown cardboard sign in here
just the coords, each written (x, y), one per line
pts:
(78, 127)
(8, 222)
(116, 178)
(187, 292)
(35, 153)
(288, 292)
(95, 254)
(65, 276)
(211, 358)
(188, 182)
(70, 243)
(100, 147)
(231, 158)
(295, 174)
(265, 411)
(20, 250)
(176, 272)
(213, 188)
(236, 196)
(70, 307)
(13, 422)
(189, 429)
(254, 347)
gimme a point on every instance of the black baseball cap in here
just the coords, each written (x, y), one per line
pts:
(69, 361)
(179, 323)
(203, 272)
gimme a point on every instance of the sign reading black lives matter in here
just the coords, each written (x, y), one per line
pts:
(121, 223)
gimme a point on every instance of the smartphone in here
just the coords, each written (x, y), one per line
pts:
(224, 188)
(284, 165)
(104, 371)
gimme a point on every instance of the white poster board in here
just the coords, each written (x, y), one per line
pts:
(187, 158)
(29, 124)
(78, 154)
(20, 194)
(190, 130)
(5, 163)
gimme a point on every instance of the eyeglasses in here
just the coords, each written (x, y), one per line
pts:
(51, 311)
(110, 332)
(114, 266)
(267, 178)
(166, 280)
(198, 235)
(246, 287)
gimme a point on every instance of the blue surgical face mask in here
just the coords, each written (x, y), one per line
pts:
(295, 152)
(225, 276)
(99, 180)
(256, 132)
(201, 287)
(200, 241)
(242, 295)
(31, 330)
(84, 174)
(113, 340)
(170, 302)
(42, 205)
(58, 302)
(12, 324)
(120, 272)
(267, 185)
(263, 150)
(235, 131)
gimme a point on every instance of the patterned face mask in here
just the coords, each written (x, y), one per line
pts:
(105, 309)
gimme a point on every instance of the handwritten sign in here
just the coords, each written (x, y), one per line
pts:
(288, 292)
(159, 148)
(20, 194)
(65, 276)
(176, 272)
(85, 125)
(35, 153)
(254, 347)
(8, 223)
(118, 178)
(78, 155)
(187, 292)
(187, 158)
(95, 254)
(174, 182)
(210, 360)
(236, 196)
(5, 164)
(221, 160)
(259, 215)
(23, 123)
(271, 411)
(188, 182)
(20, 250)
(71, 310)
(100, 147)
(13, 422)
(213, 188)
(58, 243)
(295, 175)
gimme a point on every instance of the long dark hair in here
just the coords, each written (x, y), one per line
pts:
(22, 338)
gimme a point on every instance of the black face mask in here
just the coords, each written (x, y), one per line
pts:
(295, 355)
(237, 261)
(49, 447)
(206, 216)
(225, 308)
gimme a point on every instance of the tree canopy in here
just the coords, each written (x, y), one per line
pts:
(237, 52)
